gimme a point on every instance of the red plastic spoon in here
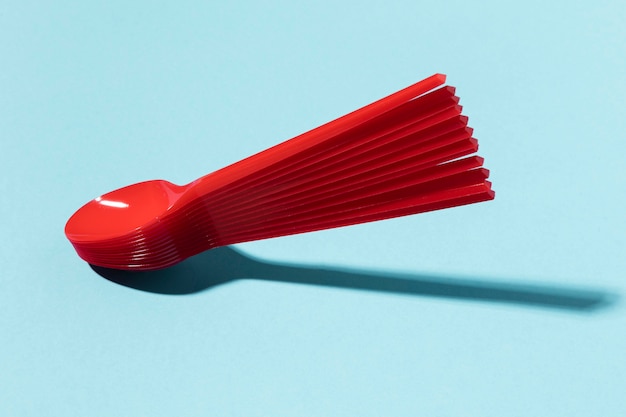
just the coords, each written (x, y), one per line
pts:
(394, 157)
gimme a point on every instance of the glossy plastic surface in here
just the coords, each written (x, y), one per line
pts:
(395, 157)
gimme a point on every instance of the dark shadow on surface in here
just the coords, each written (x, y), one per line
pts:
(225, 264)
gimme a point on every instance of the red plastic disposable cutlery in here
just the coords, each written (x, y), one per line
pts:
(404, 154)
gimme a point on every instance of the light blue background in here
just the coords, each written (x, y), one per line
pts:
(95, 95)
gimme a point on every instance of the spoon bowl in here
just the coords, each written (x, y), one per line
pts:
(122, 212)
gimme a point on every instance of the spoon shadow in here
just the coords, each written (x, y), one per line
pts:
(225, 264)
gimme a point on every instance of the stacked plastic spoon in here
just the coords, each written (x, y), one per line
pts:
(404, 154)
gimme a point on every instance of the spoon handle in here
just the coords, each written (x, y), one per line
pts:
(268, 158)
(395, 157)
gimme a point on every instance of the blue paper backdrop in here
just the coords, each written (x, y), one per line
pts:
(510, 307)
